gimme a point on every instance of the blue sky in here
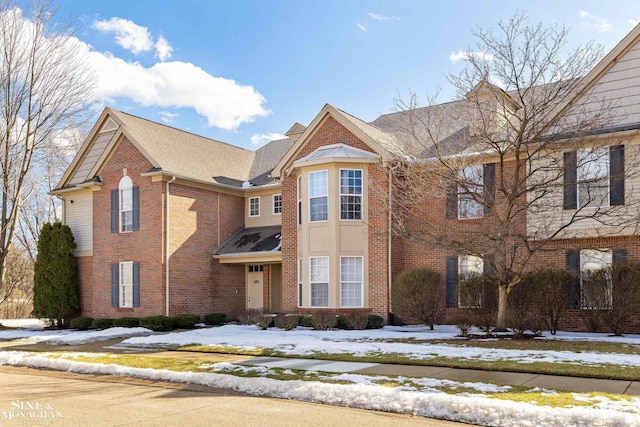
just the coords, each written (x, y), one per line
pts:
(238, 70)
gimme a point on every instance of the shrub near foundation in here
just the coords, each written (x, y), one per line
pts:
(185, 321)
(286, 321)
(102, 324)
(214, 318)
(82, 323)
(417, 296)
(157, 323)
(127, 322)
(324, 321)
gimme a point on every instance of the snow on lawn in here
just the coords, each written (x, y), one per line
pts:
(469, 409)
(306, 342)
(69, 336)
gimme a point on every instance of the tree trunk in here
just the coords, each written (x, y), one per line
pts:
(501, 319)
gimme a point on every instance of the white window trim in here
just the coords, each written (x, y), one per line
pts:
(254, 215)
(125, 184)
(312, 282)
(361, 304)
(273, 204)
(461, 193)
(317, 197)
(361, 195)
(121, 284)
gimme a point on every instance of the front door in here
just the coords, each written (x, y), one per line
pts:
(254, 290)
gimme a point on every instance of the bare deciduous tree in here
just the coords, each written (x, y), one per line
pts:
(497, 156)
(45, 86)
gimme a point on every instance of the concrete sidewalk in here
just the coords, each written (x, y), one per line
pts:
(552, 382)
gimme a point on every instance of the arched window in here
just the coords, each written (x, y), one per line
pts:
(125, 189)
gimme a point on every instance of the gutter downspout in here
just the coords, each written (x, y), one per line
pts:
(166, 250)
(390, 232)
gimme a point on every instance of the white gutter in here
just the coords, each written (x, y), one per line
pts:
(166, 250)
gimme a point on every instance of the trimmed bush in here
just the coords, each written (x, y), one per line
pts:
(288, 322)
(477, 297)
(214, 318)
(157, 323)
(324, 320)
(374, 322)
(127, 322)
(185, 321)
(305, 321)
(265, 321)
(341, 322)
(552, 289)
(251, 316)
(356, 320)
(102, 324)
(82, 323)
(417, 296)
(463, 324)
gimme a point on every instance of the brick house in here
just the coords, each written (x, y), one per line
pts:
(168, 222)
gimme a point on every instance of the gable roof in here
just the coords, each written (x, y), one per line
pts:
(381, 142)
(173, 152)
(627, 50)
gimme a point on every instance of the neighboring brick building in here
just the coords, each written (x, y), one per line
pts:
(168, 222)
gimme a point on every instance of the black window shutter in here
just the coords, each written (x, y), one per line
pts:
(452, 281)
(114, 284)
(616, 175)
(570, 180)
(573, 266)
(489, 186)
(114, 211)
(136, 284)
(452, 201)
(619, 256)
(136, 208)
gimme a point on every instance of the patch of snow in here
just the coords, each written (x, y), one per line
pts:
(305, 342)
(467, 409)
(83, 337)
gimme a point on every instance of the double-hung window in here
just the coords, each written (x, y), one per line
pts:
(470, 189)
(469, 294)
(277, 204)
(299, 189)
(350, 194)
(300, 299)
(351, 281)
(254, 206)
(319, 281)
(595, 286)
(126, 284)
(593, 177)
(318, 196)
(126, 204)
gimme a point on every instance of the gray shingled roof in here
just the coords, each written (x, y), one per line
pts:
(338, 151)
(252, 240)
(187, 154)
(266, 158)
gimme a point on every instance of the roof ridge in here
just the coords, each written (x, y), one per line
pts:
(416, 109)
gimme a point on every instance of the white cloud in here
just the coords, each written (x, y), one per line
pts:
(362, 27)
(163, 49)
(633, 22)
(462, 55)
(382, 17)
(223, 102)
(261, 138)
(129, 35)
(167, 117)
(598, 23)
